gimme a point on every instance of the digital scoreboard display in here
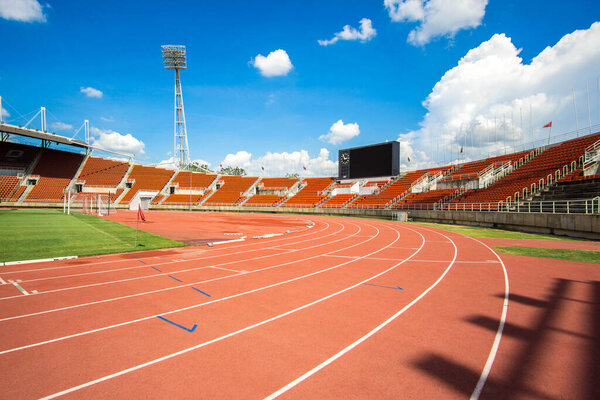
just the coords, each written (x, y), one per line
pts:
(376, 160)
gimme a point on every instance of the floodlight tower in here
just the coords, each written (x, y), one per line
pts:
(174, 58)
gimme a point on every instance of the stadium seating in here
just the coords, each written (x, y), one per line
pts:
(552, 159)
(198, 180)
(146, 178)
(471, 169)
(395, 190)
(309, 195)
(276, 183)
(101, 172)
(263, 200)
(432, 196)
(8, 184)
(174, 199)
(56, 169)
(230, 193)
(17, 156)
(338, 200)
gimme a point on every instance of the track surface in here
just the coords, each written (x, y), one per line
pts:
(347, 308)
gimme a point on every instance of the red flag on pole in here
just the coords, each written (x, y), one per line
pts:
(141, 213)
(548, 125)
(304, 168)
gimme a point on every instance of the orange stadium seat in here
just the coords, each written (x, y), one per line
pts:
(56, 170)
(147, 178)
(309, 196)
(230, 193)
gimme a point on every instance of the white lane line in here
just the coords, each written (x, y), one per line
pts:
(156, 264)
(157, 360)
(189, 307)
(23, 291)
(494, 350)
(230, 270)
(255, 244)
(371, 333)
(2, 281)
(178, 287)
(172, 272)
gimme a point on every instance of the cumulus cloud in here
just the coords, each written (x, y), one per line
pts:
(91, 92)
(108, 119)
(364, 33)
(491, 100)
(436, 17)
(171, 162)
(281, 164)
(111, 140)
(22, 10)
(61, 126)
(340, 132)
(277, 63)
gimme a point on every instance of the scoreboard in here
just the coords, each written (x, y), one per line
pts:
(371, 161)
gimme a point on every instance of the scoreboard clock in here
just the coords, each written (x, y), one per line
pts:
(382, 159)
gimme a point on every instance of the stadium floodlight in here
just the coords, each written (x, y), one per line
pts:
(174, 57)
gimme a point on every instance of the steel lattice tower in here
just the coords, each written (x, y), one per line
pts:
(174, 58)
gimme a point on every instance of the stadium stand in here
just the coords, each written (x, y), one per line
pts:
(432, 196)
(547, 163)
(18, 193)
(17, 156)
(395, 190)
(56, 169)
(310, 194)
(338, 200)
(276, 183)
(264, 200)
(473, 168)
(198, 180)
(101, 172)
(146, 178)
(230, 193)
(8, 184)
(379, 183)
(179, 199)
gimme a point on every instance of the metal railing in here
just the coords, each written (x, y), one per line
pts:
(575, 206)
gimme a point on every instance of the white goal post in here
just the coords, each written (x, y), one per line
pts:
(89, 203)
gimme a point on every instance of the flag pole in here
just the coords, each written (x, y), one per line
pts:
(137, 221)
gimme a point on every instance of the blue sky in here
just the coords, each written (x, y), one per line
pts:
(381, 84)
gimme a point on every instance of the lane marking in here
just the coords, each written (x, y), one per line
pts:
(142, 262)
(249, 244)
(192, 329)
(368, 335)
(180, 286)
(157, 269)
(201, 304)
(23, 291)
(387, 287)
(172, 277)
(192, 269)
(226, 269)
(157, 360)
(198, 290)
(2, 281)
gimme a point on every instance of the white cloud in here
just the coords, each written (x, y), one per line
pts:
(91, 92)
(340, 132)
(436, 17)
(280, 164)
(108, 119)
(61, 126)
(364, 33)
(111, 140)
(22, 10)
(171, 163)
(474, 104)
(277, 63)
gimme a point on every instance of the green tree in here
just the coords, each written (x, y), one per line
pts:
(232, 171)
(294, 175)
(194, 166)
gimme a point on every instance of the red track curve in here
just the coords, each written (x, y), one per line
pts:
(278, 308)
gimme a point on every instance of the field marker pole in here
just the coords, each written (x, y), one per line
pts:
(137, 221)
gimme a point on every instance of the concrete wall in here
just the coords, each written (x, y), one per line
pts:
(574, 225)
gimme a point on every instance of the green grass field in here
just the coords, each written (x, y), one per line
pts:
(559, 254)
(34, 234)
(479, 232)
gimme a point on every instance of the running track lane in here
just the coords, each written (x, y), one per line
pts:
(264, 358)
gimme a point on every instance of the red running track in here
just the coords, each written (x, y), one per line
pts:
(347, 308)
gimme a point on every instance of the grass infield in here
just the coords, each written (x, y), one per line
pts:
(35, 234)
(479, 232)
(559, 254)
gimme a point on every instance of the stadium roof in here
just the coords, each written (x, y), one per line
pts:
(52, 137)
